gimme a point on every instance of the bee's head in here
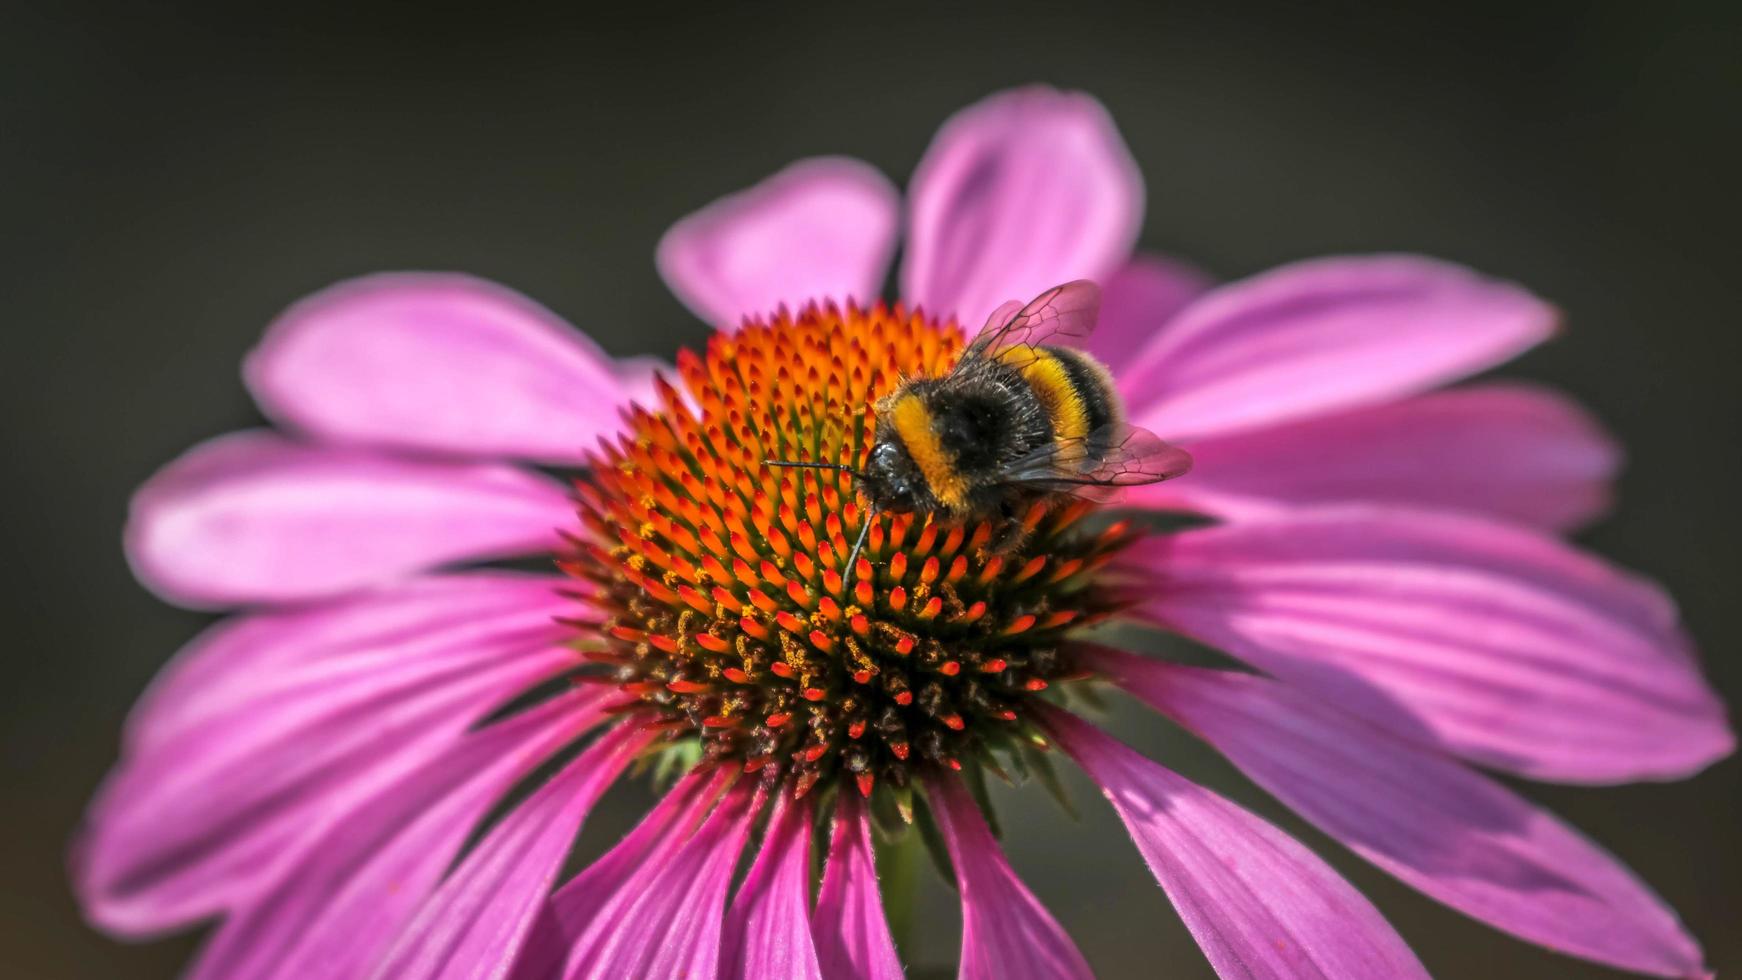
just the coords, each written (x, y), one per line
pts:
(891, 480)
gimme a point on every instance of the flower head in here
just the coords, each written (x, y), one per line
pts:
(725, 598)
(316, 770)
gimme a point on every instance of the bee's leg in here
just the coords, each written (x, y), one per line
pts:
(1011, 533)
(858, 546)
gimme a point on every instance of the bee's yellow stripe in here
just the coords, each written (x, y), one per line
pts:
(1051, 382)
(913, 423)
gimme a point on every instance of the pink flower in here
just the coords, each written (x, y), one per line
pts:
(311, 770)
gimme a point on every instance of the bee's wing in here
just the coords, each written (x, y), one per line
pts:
(1116, 455)
(1063, 315)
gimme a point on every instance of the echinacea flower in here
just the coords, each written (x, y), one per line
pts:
(378, 765)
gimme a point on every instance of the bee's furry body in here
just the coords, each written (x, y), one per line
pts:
(944, 444)
(1018, 418)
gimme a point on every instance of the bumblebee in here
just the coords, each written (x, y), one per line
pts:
(1023, 414)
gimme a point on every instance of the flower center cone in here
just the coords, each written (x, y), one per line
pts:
(721, 581)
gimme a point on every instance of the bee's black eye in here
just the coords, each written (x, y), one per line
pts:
(880, 468)
(884, 477)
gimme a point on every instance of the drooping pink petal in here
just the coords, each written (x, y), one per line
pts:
(1490, 641)
(339, 899)
(1258, 903)
(243, 664)
(474, 924)
(1006, 933)
(1019, 192)
(849, 927)
(822, 229)
(188, 826)
(1431, 821)
(1511, 451)
(1137, 302)
(251, 704)
(768, 928)
(665, 919)
(667, 826)
(575, 905)
(253, 517)
(1323, 335)
(440, 363)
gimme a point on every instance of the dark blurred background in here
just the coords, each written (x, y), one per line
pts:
(170, 178)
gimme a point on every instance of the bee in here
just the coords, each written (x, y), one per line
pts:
(1024, 414)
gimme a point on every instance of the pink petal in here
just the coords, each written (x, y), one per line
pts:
(576, 904)
(189, 823)
(821, 229)
(436, 362)
(635, 375)
(667, 825)
(665, 919)
(1496, 643)
(1136, 302)
(347, 891)
(1006, 933)
(1511, 451)
(1259, 903)
(473, 925)
(249, 661)
(1439, 826)
(252, 517)
(768, 929)
(1318, 336)
(1019, 192)
(849, 927)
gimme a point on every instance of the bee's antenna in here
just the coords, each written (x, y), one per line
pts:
(814, 466)
(859, 545)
